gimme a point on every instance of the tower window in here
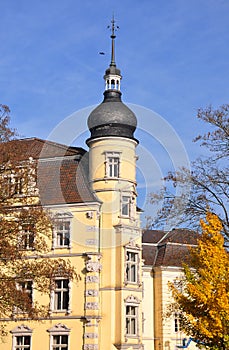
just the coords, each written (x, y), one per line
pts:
(132, 267)
(113, 84)
(126, 206)
(112, 164)
(131, 320)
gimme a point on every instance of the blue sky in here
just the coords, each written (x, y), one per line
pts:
(173, 56)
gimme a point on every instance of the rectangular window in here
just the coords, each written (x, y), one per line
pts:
(131, 320)
(26, 287)
(113, 166)
(132, 267)
(17, 186)
(61, 295)
(23, 342)
(177, 323)
(26, 237)
(126, 206)
(62, 233)
(60, 342)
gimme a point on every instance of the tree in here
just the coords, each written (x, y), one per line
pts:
(202, 296)
(6, 133)
(25, 235)
(208, 181)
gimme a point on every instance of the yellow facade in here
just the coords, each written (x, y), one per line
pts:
(118, 301)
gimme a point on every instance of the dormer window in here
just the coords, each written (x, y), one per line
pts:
(112, 164)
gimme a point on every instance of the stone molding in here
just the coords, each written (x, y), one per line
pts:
(91, 293)
(90, 347)
(92, 279)
(91, 306)
(131, 299)
(90, 335)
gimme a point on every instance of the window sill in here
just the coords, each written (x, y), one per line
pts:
(62, 247)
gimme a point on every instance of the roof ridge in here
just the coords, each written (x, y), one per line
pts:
(58, 144)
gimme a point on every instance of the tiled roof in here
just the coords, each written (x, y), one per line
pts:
(152, 236)
(63, 182)
(23, 149)
(171, 248)
(61, 170)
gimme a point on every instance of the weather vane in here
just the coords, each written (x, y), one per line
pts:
(113, 28)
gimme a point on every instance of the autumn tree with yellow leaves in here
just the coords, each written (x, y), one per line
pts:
(202, 296)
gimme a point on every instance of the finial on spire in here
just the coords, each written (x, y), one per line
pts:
(113, 29)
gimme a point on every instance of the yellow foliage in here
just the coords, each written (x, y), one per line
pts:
(204, 300)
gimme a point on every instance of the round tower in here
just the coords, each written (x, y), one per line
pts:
(112, 174)
(112, 157)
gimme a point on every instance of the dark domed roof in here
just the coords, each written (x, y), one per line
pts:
(112, 117)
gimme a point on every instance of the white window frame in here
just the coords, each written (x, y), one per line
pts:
(60, 291)
(112, 164)
(62, 218)
(177, 327)
(24, 237)
(132, 318)
(21, 331)
(134, 248)
(59, 330)
(26, 289)
(132, 302)
(132, 265)
(126, 205)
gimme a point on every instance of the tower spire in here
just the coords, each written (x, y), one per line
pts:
(113, 36)
(112, 75)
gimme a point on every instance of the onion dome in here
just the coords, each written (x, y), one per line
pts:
(112, 117)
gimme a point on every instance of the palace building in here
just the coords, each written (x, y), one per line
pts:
(121, 297)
